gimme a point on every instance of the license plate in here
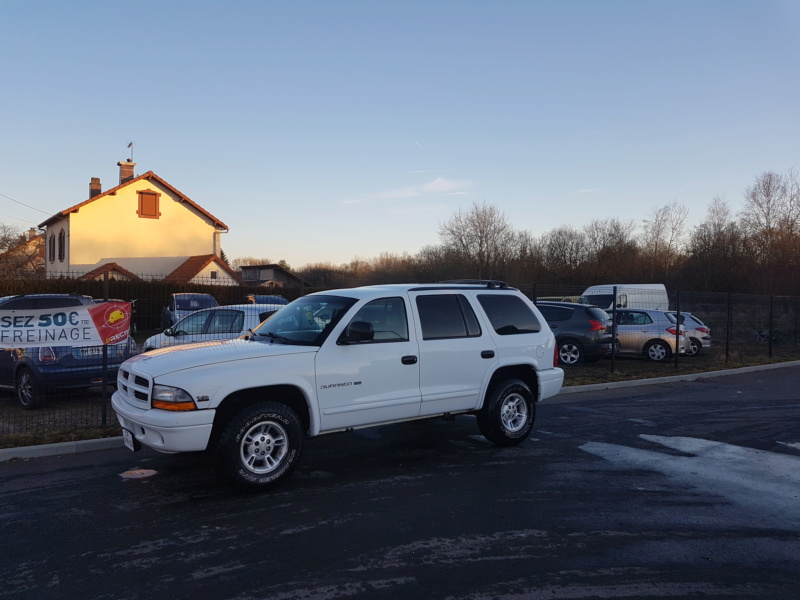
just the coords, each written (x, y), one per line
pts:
(90, 351)
(131, 443)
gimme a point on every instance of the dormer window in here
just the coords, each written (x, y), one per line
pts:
(148, 205)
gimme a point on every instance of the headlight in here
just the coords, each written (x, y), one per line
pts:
(167, 397)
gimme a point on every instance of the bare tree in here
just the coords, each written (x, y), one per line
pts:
(663, 237)
(610, 247)
(563, 252)
(717, 254)
(20, 253)
(482, 236)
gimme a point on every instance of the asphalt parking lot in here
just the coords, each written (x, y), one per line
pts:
(684, 488)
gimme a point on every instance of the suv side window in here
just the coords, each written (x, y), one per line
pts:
(226, 321)
(19, 303)
(387, 317)
(509, 315)
(445, 316)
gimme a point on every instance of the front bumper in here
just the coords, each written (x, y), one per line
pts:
(164, 430)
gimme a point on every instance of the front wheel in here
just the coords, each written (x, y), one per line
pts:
(28, 390)
(261, 445)
(657, 351)
(507, 417)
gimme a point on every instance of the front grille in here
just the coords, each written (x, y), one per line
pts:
(135, 388)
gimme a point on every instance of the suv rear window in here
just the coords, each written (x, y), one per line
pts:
(509, 315)
(445, 316)
(554, 313)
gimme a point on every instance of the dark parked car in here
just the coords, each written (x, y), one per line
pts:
(32, 372)
(265, 299)
(185, 303)
(583, 333)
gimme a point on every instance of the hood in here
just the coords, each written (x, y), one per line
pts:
(200, 354)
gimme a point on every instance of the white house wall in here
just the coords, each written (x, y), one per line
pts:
(111, 227)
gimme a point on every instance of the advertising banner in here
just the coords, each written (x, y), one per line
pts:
(96, 325)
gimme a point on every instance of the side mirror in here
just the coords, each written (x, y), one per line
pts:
(168, 332)
(359, 331)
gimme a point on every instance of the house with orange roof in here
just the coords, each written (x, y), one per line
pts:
(144, 228)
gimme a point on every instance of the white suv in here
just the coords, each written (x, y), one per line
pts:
(339, 360)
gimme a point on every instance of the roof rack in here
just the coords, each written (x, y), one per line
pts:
(489, 283)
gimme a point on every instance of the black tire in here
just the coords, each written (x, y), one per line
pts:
(261, 445)
(28, 390)
(570, 352)
(508, 414)
(657, 351)
(693, 347)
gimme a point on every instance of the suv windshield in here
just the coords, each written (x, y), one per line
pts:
(305, 322)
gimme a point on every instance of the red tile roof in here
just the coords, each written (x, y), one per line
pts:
(193, 265)
(151, 177)
(109, 268)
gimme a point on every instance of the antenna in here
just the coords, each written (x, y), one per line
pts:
(130, 145)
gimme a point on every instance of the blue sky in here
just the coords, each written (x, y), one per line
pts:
(325, 131)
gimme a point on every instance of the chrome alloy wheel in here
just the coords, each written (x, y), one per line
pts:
(514, 412)
(263, 447)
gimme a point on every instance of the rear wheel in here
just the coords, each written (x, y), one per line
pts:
(28, 390)
(261, 445)
(657, 351)
(570, 352)
(693, 347)
(507, 417)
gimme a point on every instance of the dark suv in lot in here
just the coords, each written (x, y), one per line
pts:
(583, 333)
(32, 372)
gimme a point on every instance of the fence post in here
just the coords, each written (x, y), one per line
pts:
(771, 315)
(678, 326)
(104, 395)
(728, 325)
(614, 331)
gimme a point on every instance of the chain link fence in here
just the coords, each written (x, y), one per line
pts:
(741, 327)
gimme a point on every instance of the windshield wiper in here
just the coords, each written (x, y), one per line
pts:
(274, 337)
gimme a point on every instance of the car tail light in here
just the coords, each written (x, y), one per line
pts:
(596, 325)
(555, 356)
(46, 354)
(703, 329)
(673, 330)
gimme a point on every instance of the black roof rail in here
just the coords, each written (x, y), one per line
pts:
(489, 283)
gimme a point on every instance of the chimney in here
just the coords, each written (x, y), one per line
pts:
(125, 170)
(94, 187)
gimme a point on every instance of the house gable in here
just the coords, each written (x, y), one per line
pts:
(208, 269)
(141, 225)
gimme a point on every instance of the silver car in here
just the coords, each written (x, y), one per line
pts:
(217, 323)
(697, 332)
(649, 333)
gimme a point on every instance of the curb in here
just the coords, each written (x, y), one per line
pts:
(26, 452)
(593, 387)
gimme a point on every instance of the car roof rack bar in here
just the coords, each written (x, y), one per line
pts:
(489, 283)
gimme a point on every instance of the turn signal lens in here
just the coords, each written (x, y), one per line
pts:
(167, 397)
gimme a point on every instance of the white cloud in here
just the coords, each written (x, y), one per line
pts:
(440, 185)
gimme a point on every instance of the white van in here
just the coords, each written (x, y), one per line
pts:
(651, 296)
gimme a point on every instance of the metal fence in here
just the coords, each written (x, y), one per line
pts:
(741, 326)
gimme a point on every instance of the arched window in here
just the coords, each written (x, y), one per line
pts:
(62, 245)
